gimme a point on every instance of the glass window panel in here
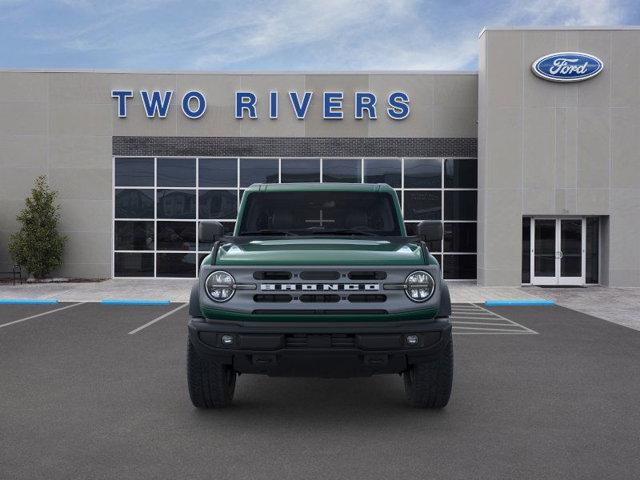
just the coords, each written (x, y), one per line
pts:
(218, 172)
(133, 236)
(383, 170)
(461, 173)
(411, 228)
(176, 172)
(459, 267)
(133, 264)
(526, 250)
(200, 258)
(218, 204)
(134, 203)
(593, 240)
(134, 172)
(258, 170)
(422, 173)
(460, 205)
(176, 235)
(300, 170)
(176, 203)
(460, 237)
(425, 205)
(176, 264)
(346, 170)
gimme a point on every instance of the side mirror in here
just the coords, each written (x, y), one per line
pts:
(429, 231)
(209, 232)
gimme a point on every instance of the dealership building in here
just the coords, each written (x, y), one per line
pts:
(531, 163)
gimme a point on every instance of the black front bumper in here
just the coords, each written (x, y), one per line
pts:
(319, 349)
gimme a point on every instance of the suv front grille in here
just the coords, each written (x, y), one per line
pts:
(320, 341)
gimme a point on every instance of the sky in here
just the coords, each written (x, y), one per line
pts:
(277, 35)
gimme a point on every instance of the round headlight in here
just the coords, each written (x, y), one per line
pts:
(220, 286)
(419, 286)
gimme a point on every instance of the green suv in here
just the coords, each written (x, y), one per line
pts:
(320, 280)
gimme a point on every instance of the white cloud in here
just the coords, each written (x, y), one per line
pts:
(301, 34)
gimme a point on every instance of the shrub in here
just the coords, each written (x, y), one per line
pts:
(37, 246)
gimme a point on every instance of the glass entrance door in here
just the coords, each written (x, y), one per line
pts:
(558, 251)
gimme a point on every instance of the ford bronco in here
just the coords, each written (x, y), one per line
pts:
(319, 280)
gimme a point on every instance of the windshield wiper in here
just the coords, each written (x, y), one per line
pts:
(266, 231)
(346, 231)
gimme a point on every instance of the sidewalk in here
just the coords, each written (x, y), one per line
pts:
(617, 305)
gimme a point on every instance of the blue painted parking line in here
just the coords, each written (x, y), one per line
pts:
(518, 303)
(115, 301)
(28, 301)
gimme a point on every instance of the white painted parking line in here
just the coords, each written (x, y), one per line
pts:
(40, 314)
(483, 323)
(165, 315)
(508, 320)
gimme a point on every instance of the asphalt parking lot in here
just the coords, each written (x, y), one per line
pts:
(91, 391)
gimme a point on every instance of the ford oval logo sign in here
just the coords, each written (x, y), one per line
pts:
(567, 66)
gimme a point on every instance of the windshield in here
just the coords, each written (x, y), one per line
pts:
(320, 213)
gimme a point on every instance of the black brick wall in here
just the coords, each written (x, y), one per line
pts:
(295, 146)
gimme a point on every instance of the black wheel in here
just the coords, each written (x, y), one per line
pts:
(211, 384)
(428, 385)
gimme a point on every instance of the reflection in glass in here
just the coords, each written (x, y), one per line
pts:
(133, 235)
(300, 170)
(422, 173)
(346, 170)
(425, 205)
(176, 203)
(176, 172)
(134, 203)
(133, 264)
(176, 235)
(176, 264)
(460, 173)
(258, 170)
(458, 267)
(460, 205)
(571, 248)
(218, 204)
(592, 240)
(383, 170)
(526, 250)
(134, 172)
(460, 237)
(218, 172)
(544, 254)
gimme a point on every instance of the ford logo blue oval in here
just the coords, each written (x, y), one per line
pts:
(567, 66)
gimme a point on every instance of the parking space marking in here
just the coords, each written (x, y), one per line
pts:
(164, 315)
(473, 319)
(40, 314)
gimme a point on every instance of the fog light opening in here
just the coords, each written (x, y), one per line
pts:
(227, 340)
(412, 339)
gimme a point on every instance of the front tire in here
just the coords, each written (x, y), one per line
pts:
(428, 384)
(211, 384)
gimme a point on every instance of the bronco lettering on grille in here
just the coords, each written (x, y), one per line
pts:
(322, 287)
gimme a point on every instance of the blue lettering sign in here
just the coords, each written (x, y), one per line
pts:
(246, 101)
(122, 96)
(156, 105)
(365, 101)
(300, 108)
(200, 100)
(332, 105)
(273, 105)
(398, 105)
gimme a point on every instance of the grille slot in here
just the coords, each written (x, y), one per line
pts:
(320, 341)
(364, 298)
(318, 311)
(367, 275)
(311, 298)
(272, 298)
(272, 275)
(320, 275)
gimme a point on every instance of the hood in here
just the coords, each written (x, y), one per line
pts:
(321, 251)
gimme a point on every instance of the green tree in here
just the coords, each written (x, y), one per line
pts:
(37, 246)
